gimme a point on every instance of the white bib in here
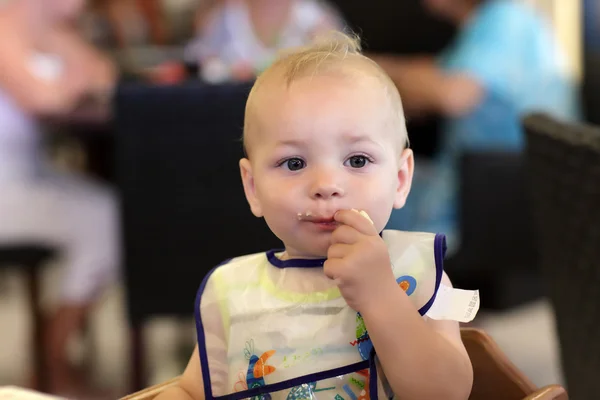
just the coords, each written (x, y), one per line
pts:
(269, 328)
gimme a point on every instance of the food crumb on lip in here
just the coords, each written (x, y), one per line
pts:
(304, 215)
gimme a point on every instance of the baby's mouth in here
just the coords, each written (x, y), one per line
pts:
(316, 218)
(321, 220)
(324, 223)
(308, 216)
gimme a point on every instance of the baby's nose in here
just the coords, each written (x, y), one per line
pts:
(326, 185)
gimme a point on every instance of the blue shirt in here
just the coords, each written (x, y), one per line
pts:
(511, 51)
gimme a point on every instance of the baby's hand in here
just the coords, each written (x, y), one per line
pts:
(358, 260)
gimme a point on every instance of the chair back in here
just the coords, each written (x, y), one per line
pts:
(183, 205)
(564, 166)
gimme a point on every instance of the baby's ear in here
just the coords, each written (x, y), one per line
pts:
(249, 189)
(405, 175)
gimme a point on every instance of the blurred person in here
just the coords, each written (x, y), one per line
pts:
(126, 23)
(504, 63)
(237, 39)
(139, 34)
(47, 70)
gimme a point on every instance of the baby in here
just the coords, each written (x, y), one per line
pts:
(347, 311)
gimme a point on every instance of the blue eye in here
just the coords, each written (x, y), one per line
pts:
(295, 164)
(357, 161)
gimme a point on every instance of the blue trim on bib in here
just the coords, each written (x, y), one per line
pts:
(200, 334)
(372, 376)
(294, 262)
(439, 250)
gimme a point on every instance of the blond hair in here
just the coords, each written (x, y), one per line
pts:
(334, 52)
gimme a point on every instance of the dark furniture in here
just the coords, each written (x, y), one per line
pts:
(183, 206)
(31, 257)
(564, 168)
(497, 251)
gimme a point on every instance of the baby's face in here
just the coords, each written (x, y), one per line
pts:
(323, 145)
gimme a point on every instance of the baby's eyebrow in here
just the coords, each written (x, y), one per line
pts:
(358, 139)
(350, 138)
(353, 138)
(290, 142)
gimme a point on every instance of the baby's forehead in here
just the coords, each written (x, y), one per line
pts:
(312, 100)
(312, 92)
(275, 102)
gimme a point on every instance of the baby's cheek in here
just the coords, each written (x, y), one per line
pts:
(380, 213)
(280, 215)
(278, 225)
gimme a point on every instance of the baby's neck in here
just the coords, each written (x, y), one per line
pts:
(291, 255)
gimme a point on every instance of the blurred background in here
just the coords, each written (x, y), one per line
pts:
(119, 190)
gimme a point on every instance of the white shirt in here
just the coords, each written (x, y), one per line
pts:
(19, 131)
(229, 38)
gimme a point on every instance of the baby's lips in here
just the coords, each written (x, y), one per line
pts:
(364, 214)
(307, 215)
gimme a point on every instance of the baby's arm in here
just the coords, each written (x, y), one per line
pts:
(190, 385)
(422, 358)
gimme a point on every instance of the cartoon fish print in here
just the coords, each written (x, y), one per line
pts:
(257, 369)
